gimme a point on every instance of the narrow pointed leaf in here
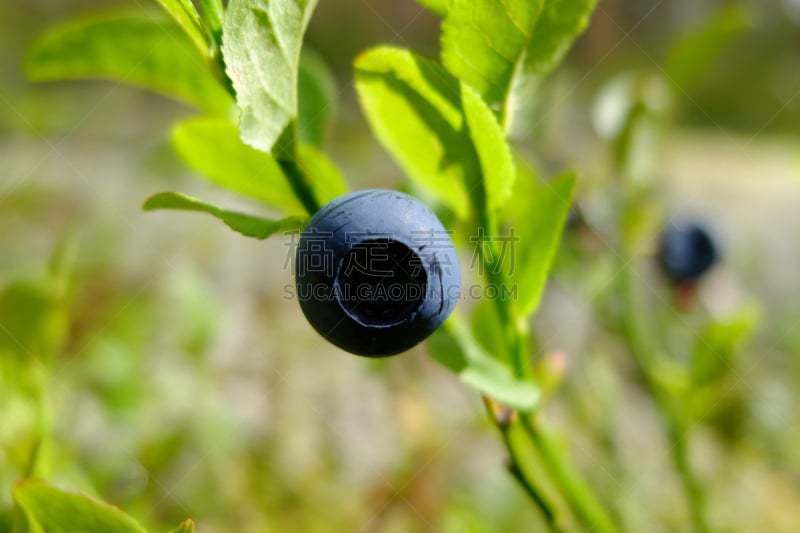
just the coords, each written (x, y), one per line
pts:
(185, 14)
(262, 40)
(136, 48)
(212, 147)
(414, 107)
(47, 509)
(539, 235)
(247, 225)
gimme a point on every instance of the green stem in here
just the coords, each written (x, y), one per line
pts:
(530, 490)
(216, 63)
(568, 480)
(691, 485)
(645, 356)
(575, 489)
(514, 336)
(516, 468)
(640, 339)
(286, 153)
(299, 182)
(213, 15)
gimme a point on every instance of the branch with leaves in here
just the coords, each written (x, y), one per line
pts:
(266, 100)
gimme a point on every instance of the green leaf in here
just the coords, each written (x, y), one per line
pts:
(212, 147)
(693, 53)
(525, 187)
(213, 17)
(539, 235)
(717, 344)
(48, 509)
(326, 180)
(560, 23)
(487, 328)
(261, 45)
(137, 48)
(494, 45)
(531, 464)
(414, 108)
(497, 166)
(247, 225)
(185, 14)
(453, 347)
(317, 98)
(187, 526)
(435, 6)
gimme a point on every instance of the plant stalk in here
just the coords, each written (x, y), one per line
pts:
(564, 475)
(517, 470)
(676, 427)
(572, 485)
(299, 182)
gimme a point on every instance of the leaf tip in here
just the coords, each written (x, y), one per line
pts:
(150, 203)
(158, 200)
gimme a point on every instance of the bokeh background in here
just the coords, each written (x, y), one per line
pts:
(188, 385)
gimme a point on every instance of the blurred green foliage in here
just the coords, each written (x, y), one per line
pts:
(117, 372)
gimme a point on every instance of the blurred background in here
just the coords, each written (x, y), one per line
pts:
(185, 384)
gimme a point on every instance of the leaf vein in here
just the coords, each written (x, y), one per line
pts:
(514, 21)
(273, 33)
(487, 40)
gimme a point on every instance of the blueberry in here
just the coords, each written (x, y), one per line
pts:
(376, 272)
(686, 252)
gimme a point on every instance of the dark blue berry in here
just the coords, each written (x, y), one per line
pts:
(686, 252)
(377, 272)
